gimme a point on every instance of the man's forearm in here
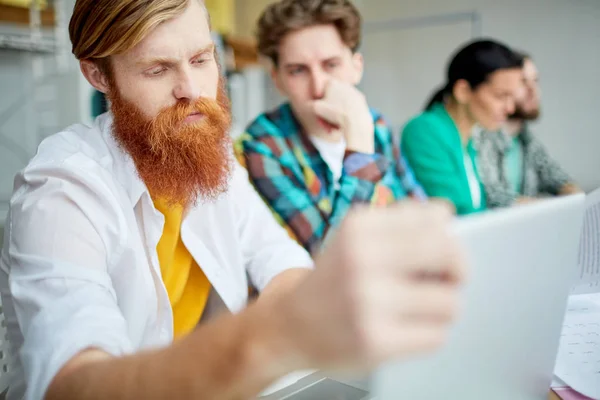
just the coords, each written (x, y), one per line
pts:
(233, 357)
(284, 282)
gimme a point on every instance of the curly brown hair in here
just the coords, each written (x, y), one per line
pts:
(286, 16)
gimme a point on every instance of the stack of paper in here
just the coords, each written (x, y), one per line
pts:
(578, 360)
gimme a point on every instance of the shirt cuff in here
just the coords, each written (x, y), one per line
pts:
(368, 167)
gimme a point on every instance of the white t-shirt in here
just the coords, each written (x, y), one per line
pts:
(333, 155)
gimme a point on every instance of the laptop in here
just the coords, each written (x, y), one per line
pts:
(504, 344)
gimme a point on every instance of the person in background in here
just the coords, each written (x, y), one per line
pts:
(515, 166)
(482, 80)
(324, 150)
(120, 235)
(99, 104)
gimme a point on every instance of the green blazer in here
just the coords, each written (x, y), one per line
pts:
(432, 146)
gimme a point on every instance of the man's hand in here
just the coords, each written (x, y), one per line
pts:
(387, 287)
(344, 107)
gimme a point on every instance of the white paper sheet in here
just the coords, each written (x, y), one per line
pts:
(578, 360)
(588, 279)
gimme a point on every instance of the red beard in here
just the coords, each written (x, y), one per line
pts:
(179, 162)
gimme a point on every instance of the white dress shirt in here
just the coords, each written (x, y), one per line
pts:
(79, 267)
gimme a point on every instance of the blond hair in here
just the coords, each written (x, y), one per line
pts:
(101, 28)
(287, 16)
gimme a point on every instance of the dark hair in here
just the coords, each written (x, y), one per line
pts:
(475, 63)
(522, 55)
(285, 16)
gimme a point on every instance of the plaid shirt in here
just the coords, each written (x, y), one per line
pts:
(296, 183)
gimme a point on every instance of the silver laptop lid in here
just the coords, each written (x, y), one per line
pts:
(504, 344)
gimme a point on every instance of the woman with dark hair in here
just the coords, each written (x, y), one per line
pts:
(482, 81)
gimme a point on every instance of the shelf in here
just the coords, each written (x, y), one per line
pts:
(16, 32)
(27, 43)
(20, 15)
(244, 50)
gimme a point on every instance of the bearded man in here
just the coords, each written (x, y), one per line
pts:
(131, 243)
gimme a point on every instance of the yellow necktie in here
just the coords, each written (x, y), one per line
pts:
(186, 284)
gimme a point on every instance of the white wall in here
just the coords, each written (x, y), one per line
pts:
(562, 35)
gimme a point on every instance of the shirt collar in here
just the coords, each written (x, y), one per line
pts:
(524, 136)
(439, 110)
(123, 167)
(289, 123)
(477, 136)
(291, 130)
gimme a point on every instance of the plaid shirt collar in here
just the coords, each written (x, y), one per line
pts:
(296, 135)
